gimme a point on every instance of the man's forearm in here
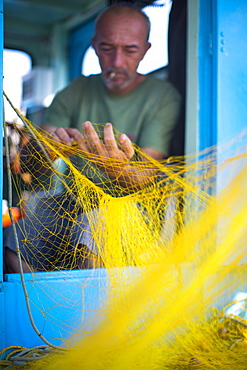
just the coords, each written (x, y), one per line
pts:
(135, 177)
(33, 160)
(134, 174)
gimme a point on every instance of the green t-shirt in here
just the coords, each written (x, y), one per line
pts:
(147, 115)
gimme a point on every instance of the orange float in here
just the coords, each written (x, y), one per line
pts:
(6, 220)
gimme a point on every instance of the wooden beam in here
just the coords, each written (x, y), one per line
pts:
(76, 5)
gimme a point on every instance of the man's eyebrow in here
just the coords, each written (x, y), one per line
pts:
(131, 46)
(105, 44)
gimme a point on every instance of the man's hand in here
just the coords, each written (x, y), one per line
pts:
(91, 143)
(64, 135)
(113, 157)
(110, 155)
(62, 138)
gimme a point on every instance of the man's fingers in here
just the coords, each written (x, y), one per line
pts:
(110, 141)
(65, 135)
(81, 142)
(126, 146)
(93, 142)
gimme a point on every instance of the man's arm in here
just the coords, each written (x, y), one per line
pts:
(34, 160)
(67, 135)
(111, 157)
(154, 153)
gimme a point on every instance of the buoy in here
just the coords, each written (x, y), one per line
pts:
(6, 220)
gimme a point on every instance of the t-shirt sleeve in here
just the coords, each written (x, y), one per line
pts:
(159, 126)
(64, 107)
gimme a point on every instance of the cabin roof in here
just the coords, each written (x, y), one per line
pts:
(34, 19)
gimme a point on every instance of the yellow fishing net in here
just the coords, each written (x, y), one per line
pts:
(173, 248)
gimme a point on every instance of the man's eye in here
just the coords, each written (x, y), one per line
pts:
(106, 49)
(130, 51)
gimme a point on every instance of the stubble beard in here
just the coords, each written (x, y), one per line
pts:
(114, 83)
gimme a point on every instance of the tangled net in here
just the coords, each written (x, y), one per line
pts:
(173, 248)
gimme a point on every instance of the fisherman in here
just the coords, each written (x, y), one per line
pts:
(142, 108)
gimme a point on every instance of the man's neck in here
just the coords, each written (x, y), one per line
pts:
(136, 82)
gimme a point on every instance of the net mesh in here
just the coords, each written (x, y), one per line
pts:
(172, 243)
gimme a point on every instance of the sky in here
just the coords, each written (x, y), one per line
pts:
(15, 65)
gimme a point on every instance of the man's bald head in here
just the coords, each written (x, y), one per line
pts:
(128, 10)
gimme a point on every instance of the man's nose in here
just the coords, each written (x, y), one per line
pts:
(117, 58)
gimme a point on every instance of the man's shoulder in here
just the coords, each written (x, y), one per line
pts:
(82, 80)
(161, 87)
(157, 82)
(78, 85)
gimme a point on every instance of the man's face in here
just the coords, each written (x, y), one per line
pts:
(120, 43)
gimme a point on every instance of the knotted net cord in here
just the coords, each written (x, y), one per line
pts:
(183, 233)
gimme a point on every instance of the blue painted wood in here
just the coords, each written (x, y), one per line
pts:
(62, 304)
(2, 320)
(232, 68)
(67, 303)
(79, 41)
(1, 134)
(207, 74)
(222, 51)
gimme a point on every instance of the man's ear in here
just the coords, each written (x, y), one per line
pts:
(148, 46)
(93, 43)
